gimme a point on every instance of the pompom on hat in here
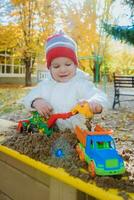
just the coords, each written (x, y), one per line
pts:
(60, 45)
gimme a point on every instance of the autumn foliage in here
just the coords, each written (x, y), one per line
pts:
(32, 21)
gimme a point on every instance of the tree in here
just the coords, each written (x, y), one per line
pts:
(82, 21)
(123, 33)
(10, 36)
(35, 21)
(120, 59)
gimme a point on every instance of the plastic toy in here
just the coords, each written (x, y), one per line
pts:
(61, 148)
(81, 109)
(59, 153)
(43, 125)
(97, 148)
(34, 124)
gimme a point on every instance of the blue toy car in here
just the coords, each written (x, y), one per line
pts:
(98, 149)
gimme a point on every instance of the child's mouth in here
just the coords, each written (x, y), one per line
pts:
(63, 76)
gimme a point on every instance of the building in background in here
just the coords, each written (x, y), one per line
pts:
(12, 70)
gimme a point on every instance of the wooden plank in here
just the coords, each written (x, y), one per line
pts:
(123, 76)
(61, 191)
(19, 186)
(43, 178)
(84, 196)
(123, 80)
(62, 176)
(4, 196)
(124, 86)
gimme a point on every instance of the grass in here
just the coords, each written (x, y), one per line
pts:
(10, 97)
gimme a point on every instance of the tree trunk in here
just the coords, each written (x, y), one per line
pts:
(28, 80)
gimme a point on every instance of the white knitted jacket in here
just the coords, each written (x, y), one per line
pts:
(63, 96)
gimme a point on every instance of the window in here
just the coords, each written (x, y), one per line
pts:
(105, 145)
(111, 145)
(8, 69)
(91, 144)
(100, 145)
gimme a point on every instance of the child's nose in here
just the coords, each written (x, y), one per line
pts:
(63, 68)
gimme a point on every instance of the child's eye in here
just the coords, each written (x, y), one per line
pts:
(56, 66)
(68, 64)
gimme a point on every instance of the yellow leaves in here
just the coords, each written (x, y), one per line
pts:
(83, 24)
(16, 2)
(35, 21)
(9, 35)
(19, 2)
(120, 59)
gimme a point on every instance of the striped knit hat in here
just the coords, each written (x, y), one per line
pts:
(60, 45)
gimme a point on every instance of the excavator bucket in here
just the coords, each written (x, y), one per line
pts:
(84, 110)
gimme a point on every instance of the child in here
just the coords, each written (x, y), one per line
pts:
(66, 86)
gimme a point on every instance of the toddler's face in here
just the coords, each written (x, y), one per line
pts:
(62, 69)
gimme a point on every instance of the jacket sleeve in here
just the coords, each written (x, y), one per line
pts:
(33, 94)
(88, 91)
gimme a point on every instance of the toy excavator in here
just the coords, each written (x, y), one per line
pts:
(41, 124)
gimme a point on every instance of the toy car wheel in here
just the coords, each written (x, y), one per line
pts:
(91, 169)
(24, 128)
(32, 128)
(20, 129)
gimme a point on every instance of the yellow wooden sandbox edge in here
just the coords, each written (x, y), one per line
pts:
(61, 175)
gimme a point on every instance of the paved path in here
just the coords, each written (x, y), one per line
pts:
(126, 104)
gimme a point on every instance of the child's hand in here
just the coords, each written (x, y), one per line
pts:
(96, 107)
(42, 107)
